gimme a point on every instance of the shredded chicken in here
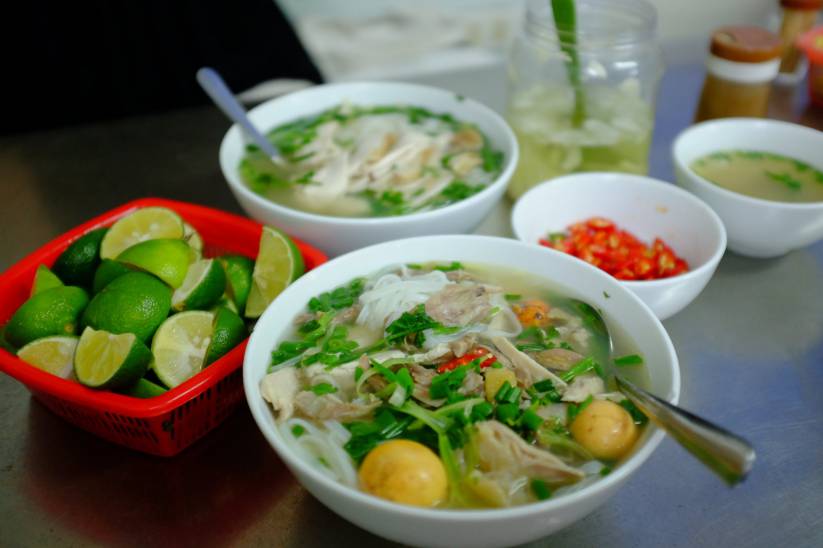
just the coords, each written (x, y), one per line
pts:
(582, 387)
(472, 384)
(459, 304)
(500, 449)
(330, 407)
(527, 370)
(463, 345)
(341, 377)
(437, 353)
(557, 358)
(422, 383)
(279, 389)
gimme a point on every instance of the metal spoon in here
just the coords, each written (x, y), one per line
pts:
(727, 455)
(216, 88)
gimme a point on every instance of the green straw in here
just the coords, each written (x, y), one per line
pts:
(565, 21)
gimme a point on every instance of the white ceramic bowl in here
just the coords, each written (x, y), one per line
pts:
(757, 228)
(470, 528)
(647, 208)
(336, 235)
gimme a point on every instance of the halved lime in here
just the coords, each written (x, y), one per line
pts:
(195, 241)
(107, 272)
(278, 264)
(204, 284)
(53, 355)
(238, 278)
(180, 346)
(229, 330)
(133, 303)
(76, 265)
(144, 388)
(106, 360)
(44, 279)
(55, 311)
(165, 258)
(148, 223)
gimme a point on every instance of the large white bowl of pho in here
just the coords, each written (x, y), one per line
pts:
(447, 390)
(363, 163)
(764, 179)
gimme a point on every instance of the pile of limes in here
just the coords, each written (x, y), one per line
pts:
(137, 308)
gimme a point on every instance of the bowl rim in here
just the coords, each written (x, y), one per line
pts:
(706, 267)
(404, 89)
(614, 479)
(692, 132)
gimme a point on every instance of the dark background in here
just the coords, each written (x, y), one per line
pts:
(69, 62)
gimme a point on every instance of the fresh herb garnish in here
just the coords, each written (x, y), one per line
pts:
(323, 388)
(580, 368)
(574, 409)
(637, 415)
(630, 359)
(540, 489)
(785, 179)
(338, 299)
(512, 297)
(492, 159)
(297, 430)
(411, 325)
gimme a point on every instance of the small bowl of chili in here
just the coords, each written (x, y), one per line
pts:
(660, 241)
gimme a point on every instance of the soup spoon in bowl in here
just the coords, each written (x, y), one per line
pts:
(724, 453)
(216, 88)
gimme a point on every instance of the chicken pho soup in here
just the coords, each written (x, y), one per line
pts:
(452, 386)
(376, 161)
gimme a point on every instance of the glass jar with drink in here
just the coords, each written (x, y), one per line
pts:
(583, 76)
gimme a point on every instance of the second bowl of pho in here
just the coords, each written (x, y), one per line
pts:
(447, 390)
(363, 163)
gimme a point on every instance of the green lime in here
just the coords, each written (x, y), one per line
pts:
(133, 303)
(195, 241)
(238, 277)
(55, 311)
(225, 302)
(4, 344)
(180, 345)
(204, 285)
(107, 272)
(76, 265)
(167, 259)
(53, 355)
(229, 330)
(148, 223)
(278, 264)
(144, 388)
(106, 360)
(44, 279)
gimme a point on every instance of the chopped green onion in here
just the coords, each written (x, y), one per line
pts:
(574, 409)
(540, 489)
(297, 430)
(512, 296)
(531, 420)
(631, 359)
(323, 388)
(583, 366)
(606, 470)
(508, 413)
(637, 415)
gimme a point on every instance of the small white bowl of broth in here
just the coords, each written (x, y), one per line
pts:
(764, 179)
(363, 163)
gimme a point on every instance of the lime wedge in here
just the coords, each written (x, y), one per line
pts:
(180, 345)
(278, 264)
(225, 302)
(204, 285)
(76, 265)
(167, 259)
(238, 278)
(106, 273)
(55, 311)
(53, 355)
(44, 279)
(106, 360)
(148, 223)
(229, 330)
(195, 241)
(144, 388)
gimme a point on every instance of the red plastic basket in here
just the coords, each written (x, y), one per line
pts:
(163, 425)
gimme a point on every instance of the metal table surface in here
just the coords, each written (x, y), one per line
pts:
(750, 348)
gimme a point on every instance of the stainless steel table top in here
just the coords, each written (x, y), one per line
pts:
(750, 348)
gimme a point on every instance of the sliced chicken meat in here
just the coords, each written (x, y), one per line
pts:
(280, 389)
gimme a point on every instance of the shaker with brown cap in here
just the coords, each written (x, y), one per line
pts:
(741, 65)
(798, 17)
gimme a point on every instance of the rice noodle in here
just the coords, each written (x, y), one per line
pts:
(326, 443)
(392, 294)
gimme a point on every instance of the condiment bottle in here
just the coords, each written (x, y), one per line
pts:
(741, 65)
(798, 17)
(811, 44)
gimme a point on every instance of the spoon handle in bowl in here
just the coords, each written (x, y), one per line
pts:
(216, 88)
(726, 454)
